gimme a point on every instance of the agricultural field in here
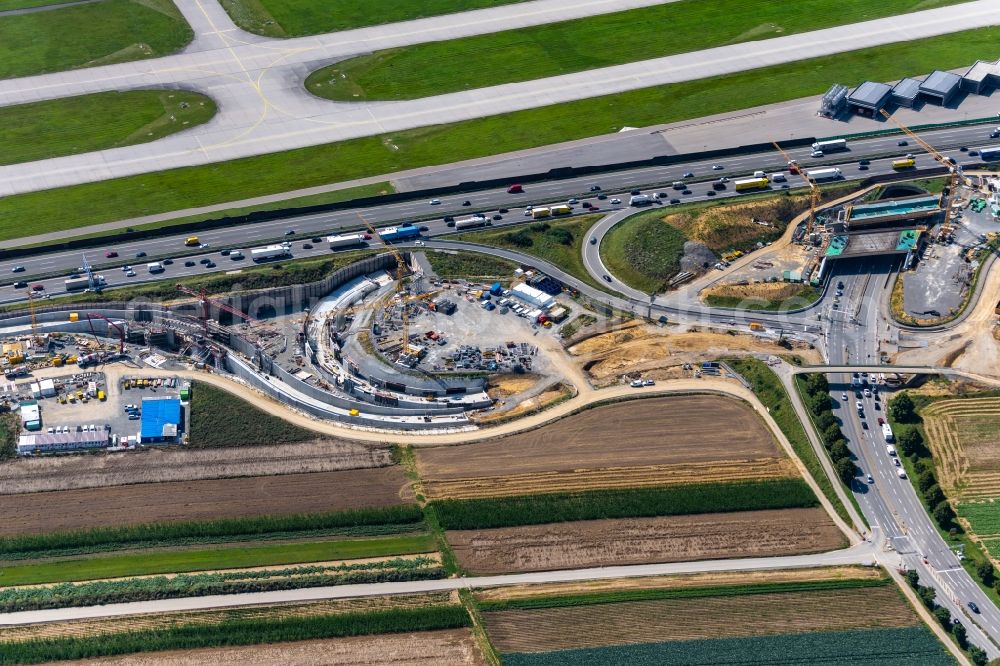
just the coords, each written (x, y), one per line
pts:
(294, 18)
(964, 435)
(558, 242)
(641, 540)
(220, 418)
(554, 49)
(648, 249)
(761, 296)
(586, 450)
(155, 465)
(825, 621)
(72, 125)
(455, 647)
(471, 265)
(39, 513)
(90, 34)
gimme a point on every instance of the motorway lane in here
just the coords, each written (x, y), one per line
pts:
(247, 235)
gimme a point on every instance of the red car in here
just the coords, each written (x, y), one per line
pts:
(38, 287)
(110, 254)
(515, 189)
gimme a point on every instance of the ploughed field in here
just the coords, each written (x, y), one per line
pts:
(964, 435)
(594, 543)
(36, 513)
(653, 442)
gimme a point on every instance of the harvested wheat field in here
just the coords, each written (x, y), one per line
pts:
(453, 646)
(29, 475)
(35, 513)
(964, 435)
(769, 291)
(709, 579)
(594, 543)
(623, 623)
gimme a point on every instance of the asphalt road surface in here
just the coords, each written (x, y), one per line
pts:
(263, 107)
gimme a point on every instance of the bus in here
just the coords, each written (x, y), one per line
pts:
(538, 213)
(990, 153)
(743, 184)
(908, 163)
(831, 145)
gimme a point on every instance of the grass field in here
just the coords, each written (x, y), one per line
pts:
(100, 33)
(219, 418)
(536, 52)
(7, 5)
(512, 511)
(909, 646)
(163, 562)
(643, 251)
(767, 387)
(73, 207)
(72, 125)
(559, 242)
(469, 265)
(774, 296)
(293, 18)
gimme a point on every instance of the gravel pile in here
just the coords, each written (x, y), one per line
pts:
(697, 257)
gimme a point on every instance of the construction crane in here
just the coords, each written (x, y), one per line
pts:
(111, 324)
(954, 169)
(206, 304)
(400, 274)
(35, 338)
(814, 191)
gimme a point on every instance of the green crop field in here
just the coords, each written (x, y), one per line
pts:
(912, 646)
(73, 207)
(294, 18)
(182, 561)
(72, 125)
(214, 421)
(244, 631)
(524, 54)
(558, 242)
(643, 252)
(768, 389)
(628, 503)
(983, 515)
(100, 33)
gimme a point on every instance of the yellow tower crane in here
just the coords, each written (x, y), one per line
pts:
(946, 162)
(814, 191)
(35, 338)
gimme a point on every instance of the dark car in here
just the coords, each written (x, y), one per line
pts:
(964, 149)
(995, 134)
(688, 174)
(587, 204)
(711, 193)
(718, 185)
(17, 269)
(466, 203)
(167, 262)
(140, 254)
(973, 607)
(307, 246)
(317, 239)
(189, 264)
(675, 201)
(593, 240)
(450, 223)
(498, 217)
(504, 210)
(226, 253)
(425, 228)
(206, 260)
(973, 153)
(210, 264)
(595, 188)
(602, 196)
(20, 285)
(290, 232)
(607, 278)
(864, 162)
(38, 287)
(902, 142)
(449, 218)
(686, 192)
(863, 167)
(635, 193)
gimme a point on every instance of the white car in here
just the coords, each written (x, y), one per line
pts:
(527, 213)
(636, 383)
(901, 473)
(572, 201)
(129, 273)
(126, 268)
(616, 201)
(434, 202)
(717, 167)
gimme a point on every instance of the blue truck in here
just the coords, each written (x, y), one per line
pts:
(400, 233)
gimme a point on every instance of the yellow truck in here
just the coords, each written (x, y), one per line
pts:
(192, 241)
(908, 163)
(538, 213)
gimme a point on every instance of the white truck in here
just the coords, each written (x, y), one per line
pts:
(78, 283)
(345, 240)
(820, 175)
(470, 222)
(887, 432)
(640, 200)
(270, 252)
(830, 146)
(155, 267)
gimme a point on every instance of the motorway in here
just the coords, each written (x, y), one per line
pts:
(863, 553)
(264, 108)
(318, 224)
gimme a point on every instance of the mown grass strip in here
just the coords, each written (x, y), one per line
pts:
(806, 295)
(72, 125)
(217, 558)
(768, 389)
(909, 646)
(158, 192)
(678, 593)
(99, 33)
(150, 534)
(235, 632)
(623, 503)
(524, 54)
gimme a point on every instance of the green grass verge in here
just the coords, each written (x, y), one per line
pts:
(99, 33)
(619, 596)
(558, 242)
(164, 534)
(146, 194)
(7, 5)
(768, 389)
(909, 646)
(524, 54)
(10, 429)
(473, 265)
(643, 251)
(623, 503)
(72, 125)
(294, 18)
(219, 418)
(235, 632)
(804, 296)
(155, 562)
